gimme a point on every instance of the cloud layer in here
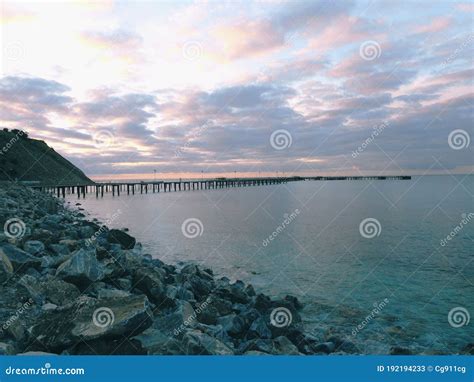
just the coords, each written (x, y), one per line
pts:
(208, 93)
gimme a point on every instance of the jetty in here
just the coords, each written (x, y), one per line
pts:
(117, 188)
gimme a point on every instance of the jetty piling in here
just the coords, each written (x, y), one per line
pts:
(192, 185)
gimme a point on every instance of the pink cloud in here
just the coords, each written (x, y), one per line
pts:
(436, 25)
(465, 7)
(344, 30)
(247, 38)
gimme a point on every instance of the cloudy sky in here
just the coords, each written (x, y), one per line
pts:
(316, 87)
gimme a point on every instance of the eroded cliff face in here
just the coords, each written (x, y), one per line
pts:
(29, 160)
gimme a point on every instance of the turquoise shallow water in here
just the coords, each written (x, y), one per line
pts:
(318, 253)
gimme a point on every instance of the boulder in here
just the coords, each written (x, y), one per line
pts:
(179, 292)
(36, 353)
(208, 315)
(154, 341)
(324, 347)
(398, 350)
(20, 259)
(59, 249)
(51, 289)
(234, 325)
(88, 319)
(34, 247)
(216, 331)
(468, 349)
(81, 269)
(122, 238)
(86, 232)
(124, 283)
(151, 282)
(176, 323)
(6, 268)
(110, 293)
(284, 346)
(259, 329)
(6, 349)
(199, 343)
(71, 244)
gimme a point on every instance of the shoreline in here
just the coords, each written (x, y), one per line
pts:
(91, 290)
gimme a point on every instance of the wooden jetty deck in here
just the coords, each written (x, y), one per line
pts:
(189, 185)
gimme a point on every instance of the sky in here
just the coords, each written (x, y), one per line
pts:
(124, 89)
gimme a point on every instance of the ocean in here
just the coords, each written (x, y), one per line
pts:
(384, 263)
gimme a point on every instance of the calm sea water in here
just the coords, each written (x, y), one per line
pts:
(319, 255)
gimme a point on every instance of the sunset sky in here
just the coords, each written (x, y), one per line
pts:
(179, 87)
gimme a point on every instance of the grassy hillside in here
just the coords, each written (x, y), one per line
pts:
(32, 160)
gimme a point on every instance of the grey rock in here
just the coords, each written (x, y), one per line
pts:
(81, 269)
(50, 289)
(111, 293)
(262, 302)
(325, 347)
(178, 292)
(154, 341)
(234, 325)
(216, 331)
(71, 244)
(259, 329)
(6, 268)
(34, 247)
(398, 350)
(124, 283)
(6, 349)
(60, 249)
(37, 353)
(255, 352)
(264, 346)
(89, 319)
(20, 259)
(151, 282)
(197, 342)
(86, 232)
(208, 315)
(284, 346)
(174, 324)
(48, 306)
(122, 238)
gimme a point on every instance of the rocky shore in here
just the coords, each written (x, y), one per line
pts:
(72, 286)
